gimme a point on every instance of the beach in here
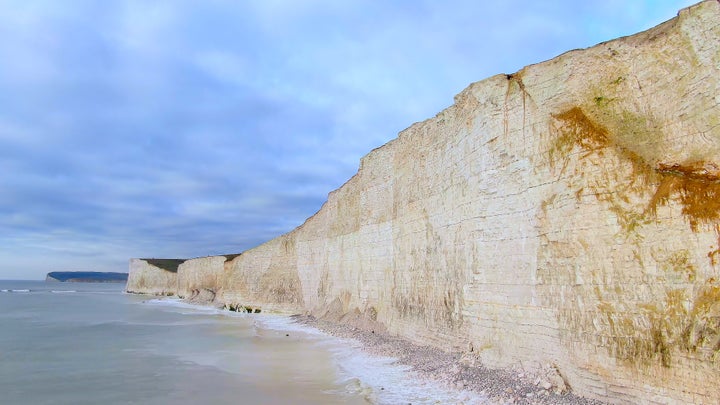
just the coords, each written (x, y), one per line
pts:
(460, 372)
(392, 370)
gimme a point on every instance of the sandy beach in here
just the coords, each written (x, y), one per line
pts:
(459, 371)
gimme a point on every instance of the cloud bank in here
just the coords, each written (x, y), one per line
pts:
(184, 128)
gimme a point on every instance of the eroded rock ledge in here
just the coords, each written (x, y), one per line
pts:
(567, 214)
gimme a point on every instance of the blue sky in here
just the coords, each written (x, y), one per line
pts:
(192, 128)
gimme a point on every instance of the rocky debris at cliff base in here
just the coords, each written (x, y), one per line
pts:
(544, 386)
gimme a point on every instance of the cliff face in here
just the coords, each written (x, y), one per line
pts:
(147, 276)
(566, 214)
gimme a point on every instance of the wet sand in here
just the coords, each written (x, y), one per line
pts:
(455, 371)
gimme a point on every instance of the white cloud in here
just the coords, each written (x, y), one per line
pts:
(186, 128)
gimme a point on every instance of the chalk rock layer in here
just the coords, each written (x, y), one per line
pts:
(567, 214)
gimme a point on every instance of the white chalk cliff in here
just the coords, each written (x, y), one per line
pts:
(568, 214)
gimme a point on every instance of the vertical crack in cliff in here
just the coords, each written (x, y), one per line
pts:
(516, 79)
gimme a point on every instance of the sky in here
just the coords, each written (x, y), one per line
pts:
(180, 129)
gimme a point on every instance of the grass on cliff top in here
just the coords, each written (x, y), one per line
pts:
(170, 265)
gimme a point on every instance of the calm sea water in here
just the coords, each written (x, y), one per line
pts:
(76, 343)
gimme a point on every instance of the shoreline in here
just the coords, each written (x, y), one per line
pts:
(456, 371)
(453, 371)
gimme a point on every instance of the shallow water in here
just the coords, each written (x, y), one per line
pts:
(76, 343)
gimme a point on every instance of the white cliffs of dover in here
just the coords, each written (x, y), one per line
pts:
(566, 214)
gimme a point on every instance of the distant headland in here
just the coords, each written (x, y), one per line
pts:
(86, 277)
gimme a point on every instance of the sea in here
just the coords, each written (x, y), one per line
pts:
(91, 343)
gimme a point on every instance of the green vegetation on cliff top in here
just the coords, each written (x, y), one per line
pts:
(170, 265)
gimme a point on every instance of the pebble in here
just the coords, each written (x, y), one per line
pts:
(498, 388)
